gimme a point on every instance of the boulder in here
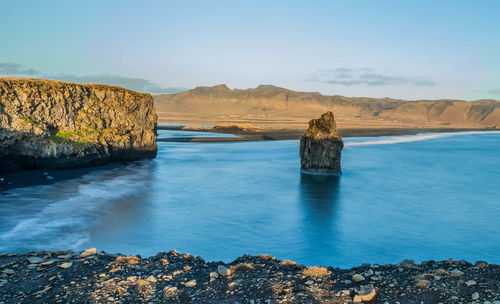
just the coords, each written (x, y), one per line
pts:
(58, 125)
(321, 146)
(223, 270)
(88, 252)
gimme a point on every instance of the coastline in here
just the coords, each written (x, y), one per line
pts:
(98, 277)
(251, 134)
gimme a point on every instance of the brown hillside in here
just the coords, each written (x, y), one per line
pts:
(278, 107)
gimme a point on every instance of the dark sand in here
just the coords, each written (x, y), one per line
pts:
(255, 135)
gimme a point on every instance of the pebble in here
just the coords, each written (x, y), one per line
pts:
(475, 296)
(456, 273)
(47, 263)
(66, 265)
(365, 294)
(470, 283)
(358, 278)
(170, 289)
(8, 271)
(422, 283)
(35, 260)
(191, 283)
(88, 252)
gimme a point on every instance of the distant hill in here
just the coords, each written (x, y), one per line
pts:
(220, 102)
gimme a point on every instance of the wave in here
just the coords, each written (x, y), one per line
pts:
(60, 219)
(413, 138)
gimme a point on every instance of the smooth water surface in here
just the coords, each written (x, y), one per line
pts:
(432, 196)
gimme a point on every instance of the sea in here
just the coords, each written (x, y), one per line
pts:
(430, 196)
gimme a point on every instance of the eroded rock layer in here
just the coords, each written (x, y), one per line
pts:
(51, 124)
(321, 146)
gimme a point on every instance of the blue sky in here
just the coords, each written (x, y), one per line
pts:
(401, 49)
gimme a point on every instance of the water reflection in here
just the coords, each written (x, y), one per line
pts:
(319, 197)
(320, 194)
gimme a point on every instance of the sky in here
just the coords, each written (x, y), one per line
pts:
(422, 49)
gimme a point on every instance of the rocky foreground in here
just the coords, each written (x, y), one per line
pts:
(92, 277)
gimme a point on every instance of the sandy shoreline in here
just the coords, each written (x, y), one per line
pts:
(98, 277)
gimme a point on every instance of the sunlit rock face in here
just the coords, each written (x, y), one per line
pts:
(60, 125)
(321, 146)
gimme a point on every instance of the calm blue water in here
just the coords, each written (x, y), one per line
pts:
(419, 197)
(162, 134)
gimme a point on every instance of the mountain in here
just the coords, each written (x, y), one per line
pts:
(273, 104)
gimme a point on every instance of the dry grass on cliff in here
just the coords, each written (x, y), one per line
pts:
(266, 257)
(316, 271)
(291, 264)
(126, 259)
(242, 267)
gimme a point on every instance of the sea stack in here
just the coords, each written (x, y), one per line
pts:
(321, 146)
(58, 125)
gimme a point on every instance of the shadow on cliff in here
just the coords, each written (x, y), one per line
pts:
(24, 161)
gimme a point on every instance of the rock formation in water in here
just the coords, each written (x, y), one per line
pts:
(321, 146)
(59, 125)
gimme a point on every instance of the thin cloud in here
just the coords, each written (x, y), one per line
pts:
(365, 76)
(14, 69)
(136, 84)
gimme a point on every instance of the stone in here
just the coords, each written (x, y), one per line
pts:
(475, 296)
(321, 146)
(213, 276)
(190, 284)
(358, 278)
(47, 263)
(64, 256)
(151, 279)
(456, 273)
(66, 265)
(88, 252)
(422, 283)
(365, 294)
(35, 260)
(8, 271)
(169, 289)
(223, 270)
(51, 124)
(470, 283)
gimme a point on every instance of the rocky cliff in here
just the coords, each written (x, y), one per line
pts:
(59, 125)
(321, 146)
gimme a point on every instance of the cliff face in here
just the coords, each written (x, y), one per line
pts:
(51, 124)
(270, 101)
(321, 146)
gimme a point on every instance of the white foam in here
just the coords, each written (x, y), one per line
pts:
(65, 220)
(413, 138)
